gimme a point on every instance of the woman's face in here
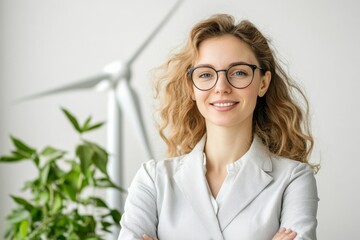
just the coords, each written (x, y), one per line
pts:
(224, 105)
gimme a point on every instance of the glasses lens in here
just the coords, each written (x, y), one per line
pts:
(204, 78)
(240, 76)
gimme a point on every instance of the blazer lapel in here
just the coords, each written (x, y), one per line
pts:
(192, 182)
(249, 182)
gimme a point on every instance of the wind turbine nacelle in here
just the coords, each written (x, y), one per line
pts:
(118, 70)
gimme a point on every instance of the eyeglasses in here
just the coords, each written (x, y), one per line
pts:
(239, 76)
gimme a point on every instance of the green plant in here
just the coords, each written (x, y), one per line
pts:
(59, 208)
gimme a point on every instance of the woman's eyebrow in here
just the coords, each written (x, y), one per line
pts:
(230, 65)
(237, 63)
(204, 65)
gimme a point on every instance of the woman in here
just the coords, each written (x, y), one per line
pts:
(238, 146)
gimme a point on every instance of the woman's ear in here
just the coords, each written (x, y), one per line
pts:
(264, 84)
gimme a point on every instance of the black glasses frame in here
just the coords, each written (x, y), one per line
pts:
(253, 67)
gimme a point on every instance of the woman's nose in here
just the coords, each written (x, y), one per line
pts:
(222, 84)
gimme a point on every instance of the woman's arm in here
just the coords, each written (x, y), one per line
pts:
(282, 234)
(300, 203)
(140, 216)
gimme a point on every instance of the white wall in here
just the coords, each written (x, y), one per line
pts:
(48, 43)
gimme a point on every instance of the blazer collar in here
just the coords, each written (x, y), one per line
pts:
(249, 182)
(192, 182)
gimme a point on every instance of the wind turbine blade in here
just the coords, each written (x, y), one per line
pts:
(84, 84)
(130, 106)
(156, 30)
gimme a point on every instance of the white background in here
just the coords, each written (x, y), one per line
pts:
(45, 44)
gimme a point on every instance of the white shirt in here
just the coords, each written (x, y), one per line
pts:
(232, 170)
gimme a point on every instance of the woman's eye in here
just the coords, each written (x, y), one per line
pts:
(205, 75)
(239, 74)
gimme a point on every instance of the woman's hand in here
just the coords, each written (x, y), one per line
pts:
(146, 237)
(283, 234)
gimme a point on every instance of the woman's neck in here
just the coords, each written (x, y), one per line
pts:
(226, 145)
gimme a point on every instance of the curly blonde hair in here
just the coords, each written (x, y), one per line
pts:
(278, 120)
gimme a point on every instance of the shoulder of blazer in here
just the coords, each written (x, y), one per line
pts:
(166, 167)
(173, 165)
(288, 168)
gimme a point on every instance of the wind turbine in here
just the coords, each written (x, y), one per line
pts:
(122, 100)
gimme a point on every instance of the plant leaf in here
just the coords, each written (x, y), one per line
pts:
(89, 127)
(55, 173)
(48, 151)
(13, 158)
(20, 154)
(69, 191)
(100, 157)
(70, 186)
(17, 215)
(36, 159)
(98, 202)
(105, 225)
(52, 153)
(23, 202)
(92, 238)
(57, 205)
(10, 233)
(85, 154)
(95, 126)
(116, 216)
(89, 176)
(44, 173)
(73, 120)
(86, 124)
(106, 182)
(43, 197)
(20, 145)
(24, 227)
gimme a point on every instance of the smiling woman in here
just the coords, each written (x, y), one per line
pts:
(231, 100)
(238, 145)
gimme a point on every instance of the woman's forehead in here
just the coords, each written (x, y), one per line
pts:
(224, 50)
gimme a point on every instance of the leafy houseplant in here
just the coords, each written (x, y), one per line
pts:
(60, 206)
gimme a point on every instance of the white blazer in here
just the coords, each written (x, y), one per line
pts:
(170, 199)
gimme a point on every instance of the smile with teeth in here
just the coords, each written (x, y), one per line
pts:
(224, 104)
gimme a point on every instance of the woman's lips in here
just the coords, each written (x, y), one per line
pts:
(224, 105)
